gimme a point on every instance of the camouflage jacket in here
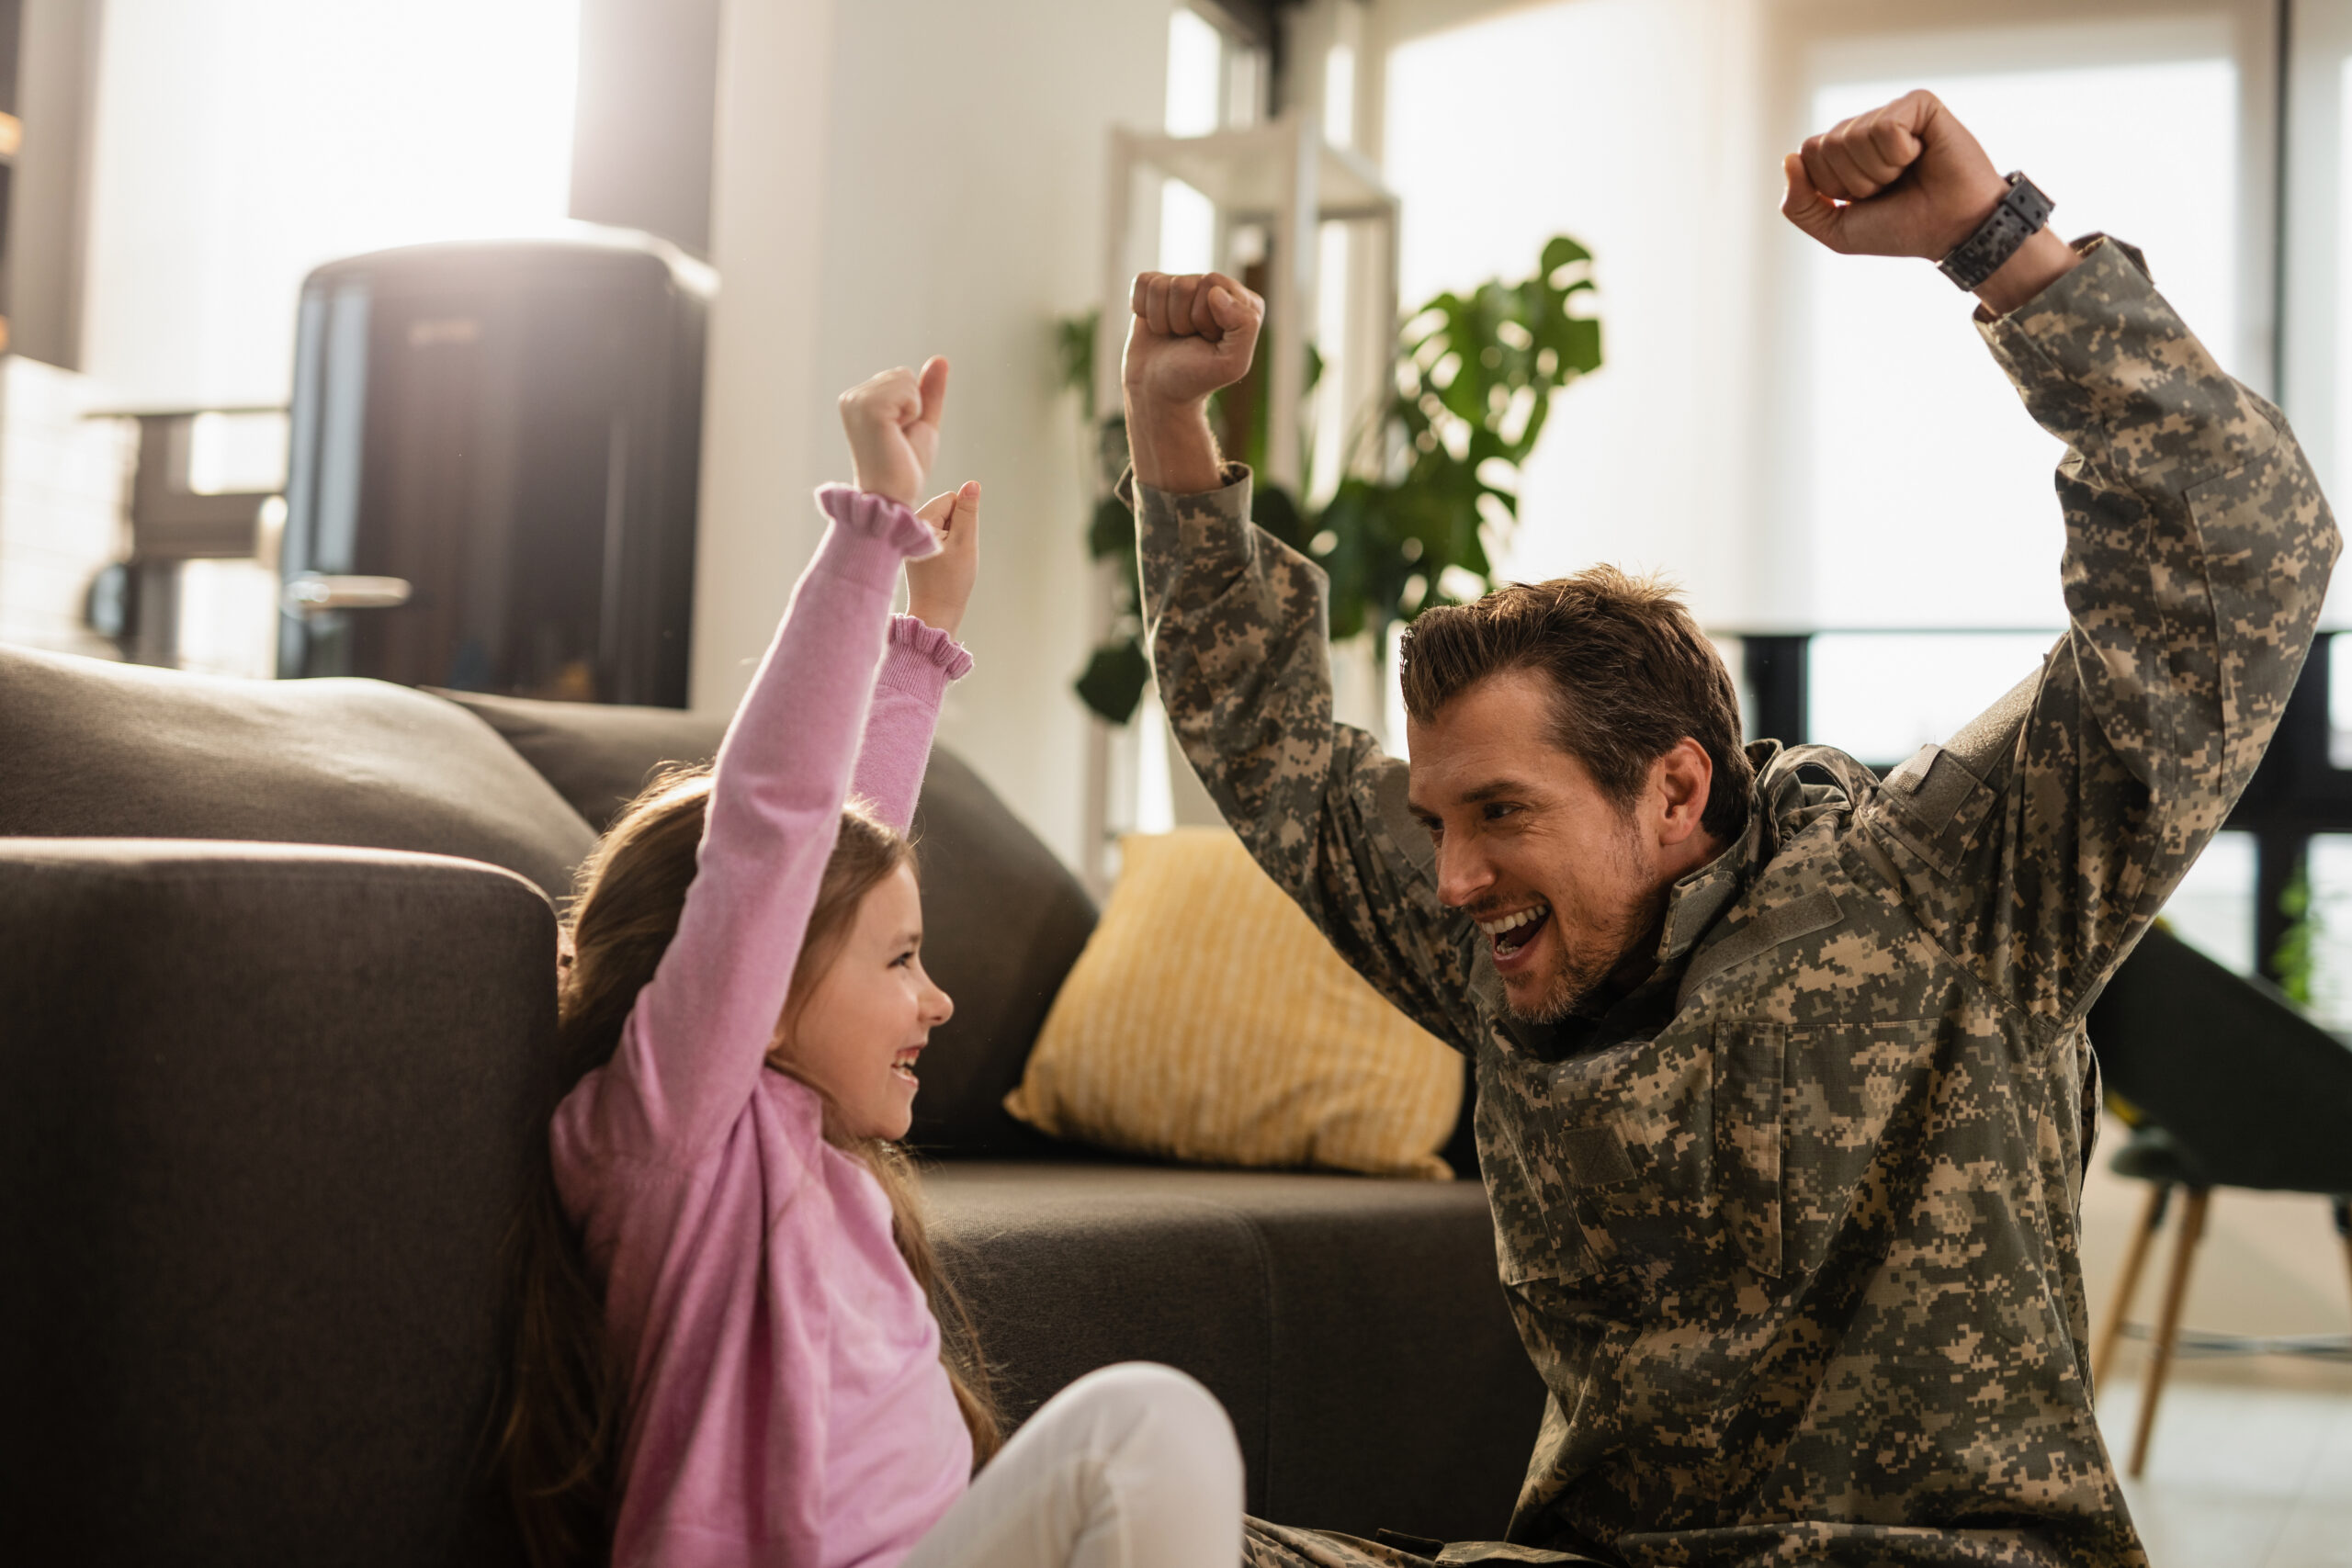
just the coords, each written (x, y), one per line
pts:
(1790, 1232)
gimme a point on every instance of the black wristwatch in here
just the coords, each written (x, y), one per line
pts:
(2019, 218)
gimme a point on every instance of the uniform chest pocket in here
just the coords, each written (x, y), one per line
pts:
(1607, 1141)
(1802, 1114)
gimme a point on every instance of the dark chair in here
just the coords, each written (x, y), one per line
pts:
(2228, 1085)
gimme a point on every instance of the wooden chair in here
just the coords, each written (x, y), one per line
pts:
(2232, 1087)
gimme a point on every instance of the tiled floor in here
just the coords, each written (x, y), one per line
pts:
(2242, 1474)
(2251, 1462)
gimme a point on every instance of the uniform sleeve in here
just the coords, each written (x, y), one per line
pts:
(1237, 624)
(2041, 840)
(692, 1049)
(916, 669)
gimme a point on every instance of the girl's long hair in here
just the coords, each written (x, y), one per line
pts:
(566, 1400)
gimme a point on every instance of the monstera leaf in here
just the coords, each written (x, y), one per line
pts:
(1474, 385)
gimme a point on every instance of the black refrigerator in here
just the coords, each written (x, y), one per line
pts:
(491, 485)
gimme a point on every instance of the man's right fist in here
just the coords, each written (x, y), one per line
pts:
(1191, 336)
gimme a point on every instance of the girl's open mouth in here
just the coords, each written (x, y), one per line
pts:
(903, 1064)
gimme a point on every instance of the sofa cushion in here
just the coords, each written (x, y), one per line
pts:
(1209, 1020)
(598, 756)
(1354, 1327)
(127, 750)
(1003, 919)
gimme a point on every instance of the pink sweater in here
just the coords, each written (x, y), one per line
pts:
(788, 1402)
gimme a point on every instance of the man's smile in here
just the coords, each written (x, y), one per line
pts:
(1512, 933)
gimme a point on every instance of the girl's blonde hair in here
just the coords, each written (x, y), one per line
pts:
(565, 1404)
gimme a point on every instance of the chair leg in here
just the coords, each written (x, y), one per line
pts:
(2192, 1230)
(2135, 1258)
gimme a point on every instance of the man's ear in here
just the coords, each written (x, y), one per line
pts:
(1681, 781)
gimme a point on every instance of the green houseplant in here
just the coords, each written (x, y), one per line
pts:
(1433, 463)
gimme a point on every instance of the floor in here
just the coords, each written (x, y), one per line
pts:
(2251, 1462)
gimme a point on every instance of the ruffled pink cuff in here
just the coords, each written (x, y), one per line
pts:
(923, 638)
(878, 518)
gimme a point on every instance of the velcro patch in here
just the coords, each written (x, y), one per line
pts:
(1595, 1157)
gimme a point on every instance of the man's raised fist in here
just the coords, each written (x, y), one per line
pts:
(1189, 336)
(1906, 179)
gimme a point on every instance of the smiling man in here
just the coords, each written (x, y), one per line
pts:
(1784, 1096)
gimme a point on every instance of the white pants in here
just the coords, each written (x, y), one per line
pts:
(1134, 1466)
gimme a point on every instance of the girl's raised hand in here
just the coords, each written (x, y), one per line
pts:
(893, 424)
(940, 586)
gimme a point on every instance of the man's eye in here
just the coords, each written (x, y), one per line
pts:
(1496, 812)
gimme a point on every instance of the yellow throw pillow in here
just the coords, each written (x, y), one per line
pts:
(1208, 1020)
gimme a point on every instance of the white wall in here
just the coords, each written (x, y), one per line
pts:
(896, 178)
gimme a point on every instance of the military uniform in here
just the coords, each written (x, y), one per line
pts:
(1791, 1231)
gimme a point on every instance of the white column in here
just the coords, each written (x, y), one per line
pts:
(770, 158)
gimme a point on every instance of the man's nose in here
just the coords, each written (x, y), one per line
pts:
(1462, 874)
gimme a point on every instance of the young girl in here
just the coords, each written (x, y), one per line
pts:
(730, 1350)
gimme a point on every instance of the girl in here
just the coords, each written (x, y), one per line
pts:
(730, 1346)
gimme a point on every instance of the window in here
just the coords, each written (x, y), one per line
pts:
(2329, 870)
(1195, 75)
(2339, 701)
(1927, 487)
(2212, 910)
(240, 143)
(1213, 83)
(1882, 695)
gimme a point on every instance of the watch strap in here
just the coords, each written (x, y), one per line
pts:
(2018, 217)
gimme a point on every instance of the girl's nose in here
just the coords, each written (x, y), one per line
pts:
(941, 1007)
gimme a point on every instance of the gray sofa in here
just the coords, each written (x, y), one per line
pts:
(276, 1018)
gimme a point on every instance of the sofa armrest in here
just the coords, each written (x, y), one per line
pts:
(265, 1115)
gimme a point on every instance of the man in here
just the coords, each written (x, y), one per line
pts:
(1784, 1096)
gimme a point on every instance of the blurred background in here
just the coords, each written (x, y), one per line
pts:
(492, 344)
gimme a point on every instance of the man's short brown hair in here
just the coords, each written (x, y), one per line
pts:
(1632, 674)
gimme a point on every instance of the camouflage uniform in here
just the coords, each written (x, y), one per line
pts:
(1791, 1231)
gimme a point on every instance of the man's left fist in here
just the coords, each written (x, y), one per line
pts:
(1903, 180)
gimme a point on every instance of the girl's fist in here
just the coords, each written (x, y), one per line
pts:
(940, 586)
(892, 421)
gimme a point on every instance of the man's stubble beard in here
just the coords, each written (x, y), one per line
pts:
(1581, 972)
